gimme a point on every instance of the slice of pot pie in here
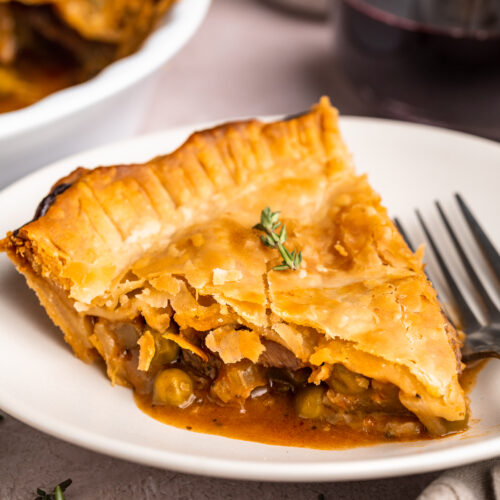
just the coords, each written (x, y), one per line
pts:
(164, 270)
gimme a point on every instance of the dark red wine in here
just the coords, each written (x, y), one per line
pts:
(434, 65)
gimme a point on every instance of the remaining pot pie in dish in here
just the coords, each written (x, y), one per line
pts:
(47, 45)
(321, 310)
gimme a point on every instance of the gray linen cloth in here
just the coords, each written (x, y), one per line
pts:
(479, 481)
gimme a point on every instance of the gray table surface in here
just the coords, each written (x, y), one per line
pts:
(247, 59)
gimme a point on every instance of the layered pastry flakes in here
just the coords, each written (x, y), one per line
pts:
(157, 268)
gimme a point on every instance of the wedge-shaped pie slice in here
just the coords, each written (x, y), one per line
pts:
(157, 269)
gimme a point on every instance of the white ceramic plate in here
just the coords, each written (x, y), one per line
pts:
(43, 385)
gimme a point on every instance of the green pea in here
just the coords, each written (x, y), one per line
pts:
(309, 402)
(166, 351)
(173, 387)
(344, 381)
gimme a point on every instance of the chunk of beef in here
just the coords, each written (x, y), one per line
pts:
(278, 356)
(208, 369)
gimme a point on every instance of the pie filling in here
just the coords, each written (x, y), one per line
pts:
(178, 377)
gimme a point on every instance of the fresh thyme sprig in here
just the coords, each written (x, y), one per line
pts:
(269, 223)
(56, 494)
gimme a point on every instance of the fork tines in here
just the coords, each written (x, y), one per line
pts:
(490, 252)
(483, 338)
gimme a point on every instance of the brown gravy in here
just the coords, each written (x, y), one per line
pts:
(272, 420)
(267, 419)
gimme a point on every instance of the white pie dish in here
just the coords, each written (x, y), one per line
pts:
(48, 388)
(106, 108)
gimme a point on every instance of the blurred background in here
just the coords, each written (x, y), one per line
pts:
(430, 61)
(249, 58)
(433, 61)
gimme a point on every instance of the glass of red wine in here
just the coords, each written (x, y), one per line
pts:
(432, 61)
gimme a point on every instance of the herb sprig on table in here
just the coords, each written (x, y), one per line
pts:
(56, 494)
(269, 224)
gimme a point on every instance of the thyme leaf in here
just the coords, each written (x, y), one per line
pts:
(269, 224)
(56, 494)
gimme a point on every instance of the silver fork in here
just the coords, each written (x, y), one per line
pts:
(482, 337)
